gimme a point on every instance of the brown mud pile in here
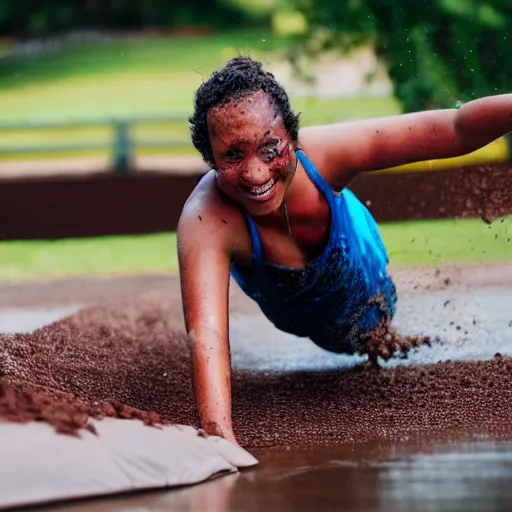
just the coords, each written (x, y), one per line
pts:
(136, 354)
(24, 403)
(479, 191)
(384, 341)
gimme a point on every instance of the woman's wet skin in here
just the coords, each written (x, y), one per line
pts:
(253, 153)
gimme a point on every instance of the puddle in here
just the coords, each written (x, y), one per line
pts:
(467, 476)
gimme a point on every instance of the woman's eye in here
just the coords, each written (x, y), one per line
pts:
(271, 151)
(233, 156)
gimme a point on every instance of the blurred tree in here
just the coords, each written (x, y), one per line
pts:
(437, 52)
(38, 18)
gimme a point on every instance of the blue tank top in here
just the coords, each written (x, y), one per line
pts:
(338, 296)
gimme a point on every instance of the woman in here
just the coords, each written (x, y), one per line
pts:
(275, 214)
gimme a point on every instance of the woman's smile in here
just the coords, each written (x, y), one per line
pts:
(259, 192)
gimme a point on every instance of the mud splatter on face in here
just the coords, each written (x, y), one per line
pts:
(253, 152)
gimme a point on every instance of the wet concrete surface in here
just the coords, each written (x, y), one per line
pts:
(470, 473)
(26, 320)
(472, 326)
(466, 476)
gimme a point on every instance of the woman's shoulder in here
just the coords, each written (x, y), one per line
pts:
(208, 211)
(312, 143)
(328, 148)
(207, 198)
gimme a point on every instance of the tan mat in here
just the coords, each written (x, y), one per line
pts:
(40, 466)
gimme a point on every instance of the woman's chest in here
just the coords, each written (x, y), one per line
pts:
(299, 233)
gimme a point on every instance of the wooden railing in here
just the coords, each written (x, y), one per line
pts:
(122, 145)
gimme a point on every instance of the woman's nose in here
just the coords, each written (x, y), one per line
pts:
(255, 173)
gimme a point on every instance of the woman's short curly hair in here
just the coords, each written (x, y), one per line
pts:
(239, 76)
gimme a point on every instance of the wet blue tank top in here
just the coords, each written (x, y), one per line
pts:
(332, 299)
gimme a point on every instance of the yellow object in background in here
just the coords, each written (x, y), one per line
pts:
(499, 151)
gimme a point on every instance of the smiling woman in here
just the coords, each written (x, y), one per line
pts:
(243, 126)
(253, 152)
(275, 213)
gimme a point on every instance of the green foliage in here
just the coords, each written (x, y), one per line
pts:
(136, 77)
(438, 52)
(45, 17)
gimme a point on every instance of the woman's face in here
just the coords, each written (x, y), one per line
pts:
(254, 155)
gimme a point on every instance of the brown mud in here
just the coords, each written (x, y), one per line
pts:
(134, 356)
(152, 201)
(480, 191)
(385, 342)
(24, 403)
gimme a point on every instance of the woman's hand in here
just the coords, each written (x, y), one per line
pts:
(225, 432)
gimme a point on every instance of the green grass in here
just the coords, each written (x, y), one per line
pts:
(133, 77)
(442, 241)
(138, 78)
(313, 111)
(118, 255)
(408, 243)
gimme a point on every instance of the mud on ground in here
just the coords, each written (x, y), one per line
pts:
(130, 358)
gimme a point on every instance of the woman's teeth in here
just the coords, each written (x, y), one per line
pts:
(262, 189)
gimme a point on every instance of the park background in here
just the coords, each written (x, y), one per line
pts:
(90, 88)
